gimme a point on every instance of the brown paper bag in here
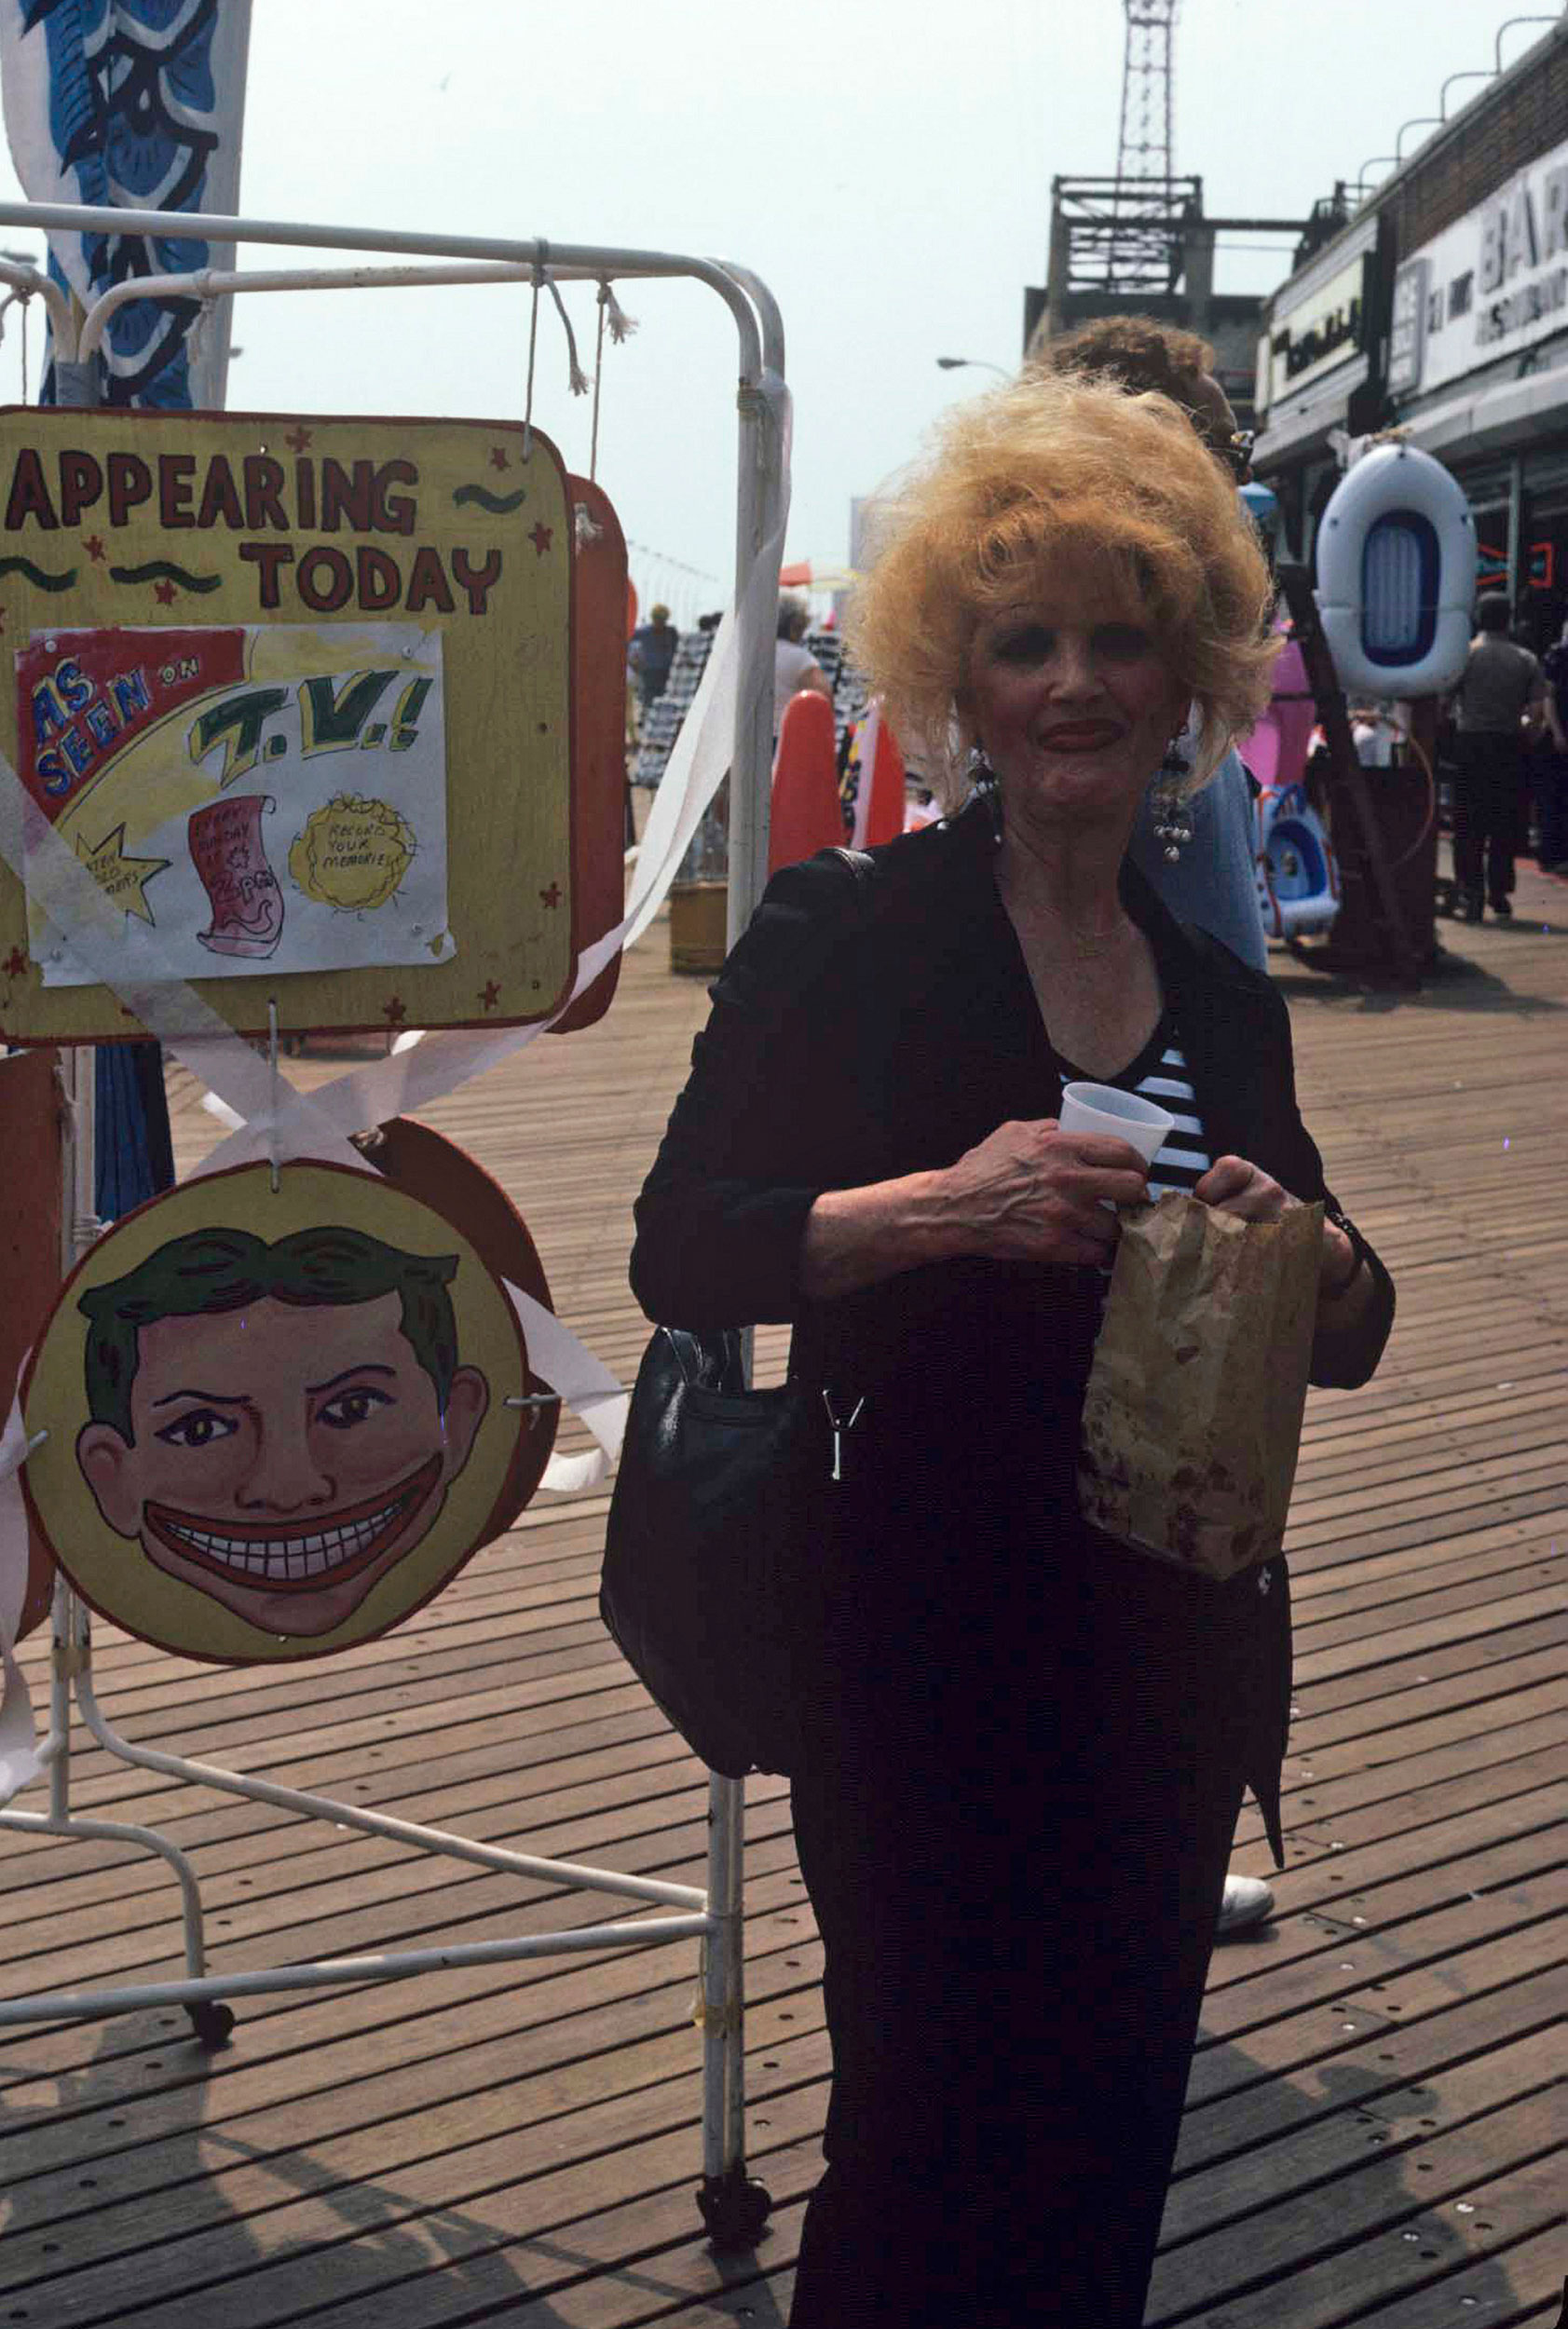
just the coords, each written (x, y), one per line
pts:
(1193, 1417)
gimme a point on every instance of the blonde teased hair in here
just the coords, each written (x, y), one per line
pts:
(1054, 479)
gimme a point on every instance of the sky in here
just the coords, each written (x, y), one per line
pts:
(884, 165)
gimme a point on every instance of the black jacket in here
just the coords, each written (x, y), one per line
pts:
(864, 1030)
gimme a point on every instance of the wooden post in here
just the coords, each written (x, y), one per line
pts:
(1347, 778)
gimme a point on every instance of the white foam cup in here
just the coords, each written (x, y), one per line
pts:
(1122, 1115)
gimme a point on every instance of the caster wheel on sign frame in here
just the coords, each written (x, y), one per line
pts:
(734, 2208)
(211, 2022)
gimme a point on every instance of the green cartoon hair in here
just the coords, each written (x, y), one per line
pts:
(215, 1269)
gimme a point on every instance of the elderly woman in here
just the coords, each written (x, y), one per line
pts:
(1031, 1742)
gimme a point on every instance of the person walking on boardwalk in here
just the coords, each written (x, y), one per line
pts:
(1501, 685)
(1028, 1743)
(651, 651)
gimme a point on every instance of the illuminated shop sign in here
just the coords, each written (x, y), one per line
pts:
(1489, 286)
(1329, 326)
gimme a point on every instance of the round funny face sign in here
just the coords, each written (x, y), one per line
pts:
(278, 1420)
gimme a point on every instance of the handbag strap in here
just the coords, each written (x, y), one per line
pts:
(707, 1362)
(860, 864)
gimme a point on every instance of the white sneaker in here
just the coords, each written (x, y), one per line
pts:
(1248, 1901)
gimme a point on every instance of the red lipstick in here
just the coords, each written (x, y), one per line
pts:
(1080, 735)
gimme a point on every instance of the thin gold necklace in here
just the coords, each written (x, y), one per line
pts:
(1081, 949)
(1086, 949)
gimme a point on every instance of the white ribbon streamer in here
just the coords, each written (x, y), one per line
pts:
(126, 957)
(19, 1761)
(586, 1387)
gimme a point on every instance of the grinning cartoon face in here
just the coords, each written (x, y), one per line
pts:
(282, 1455)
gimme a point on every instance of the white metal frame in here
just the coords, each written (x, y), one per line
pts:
(732, 2206)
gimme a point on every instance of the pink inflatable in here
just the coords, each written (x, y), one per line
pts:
(1276, 750)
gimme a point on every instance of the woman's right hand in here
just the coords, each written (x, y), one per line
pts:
(1032, 1193)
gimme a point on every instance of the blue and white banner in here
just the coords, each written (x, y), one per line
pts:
(134, 104)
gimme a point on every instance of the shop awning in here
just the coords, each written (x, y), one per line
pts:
(1493, 419)
(1297, 428)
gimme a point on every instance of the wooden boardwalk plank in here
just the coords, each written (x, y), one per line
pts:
(1376, 2124)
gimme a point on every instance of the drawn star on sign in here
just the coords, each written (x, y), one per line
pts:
(164, 592)
(16, 962)
(123, 880)
(490, 995)
(498, 456)
(541, 537)
(297, 439)
(551, 898)
(95, 549)
(393, 1011)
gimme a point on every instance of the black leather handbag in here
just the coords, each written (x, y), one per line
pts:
(709, 1583)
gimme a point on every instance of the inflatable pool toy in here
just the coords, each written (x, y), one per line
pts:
(1397, 575)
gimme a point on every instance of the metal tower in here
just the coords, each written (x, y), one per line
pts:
(1147, 146)
(1147, 202)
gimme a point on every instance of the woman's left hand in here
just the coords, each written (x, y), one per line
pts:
(1231, 1185)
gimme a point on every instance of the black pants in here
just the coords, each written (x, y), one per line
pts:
(1549, 778)
(1488, 814)
(1016, 1934)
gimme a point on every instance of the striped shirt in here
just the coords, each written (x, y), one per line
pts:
(1159, 1074)
(1184, 1158)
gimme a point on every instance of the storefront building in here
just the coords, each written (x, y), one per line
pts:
(1477, 370)
(1319, 372)
(1462, 336)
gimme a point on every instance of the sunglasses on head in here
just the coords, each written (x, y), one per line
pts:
(1236, 454)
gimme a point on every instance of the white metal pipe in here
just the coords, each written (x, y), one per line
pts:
(717, 1920)
(724, 1982)
(767, 309)
(398, 1966)
(147, 1839)
(61, 1666)
(32, 285)
(381, 1823)
(209, 283)
(587, 258)
(759, 502)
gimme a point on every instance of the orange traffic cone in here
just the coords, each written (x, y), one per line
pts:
(879, 807)
(806, 813)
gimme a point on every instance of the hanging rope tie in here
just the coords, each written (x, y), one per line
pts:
(598, 384)
(577, 379)
(533, 344)
(622, 327)
(18, 298)
(197, 333)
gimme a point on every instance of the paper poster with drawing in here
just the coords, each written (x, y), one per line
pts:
(267, 799)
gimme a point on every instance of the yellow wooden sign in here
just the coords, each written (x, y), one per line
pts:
(298, 692)
(279, 1420)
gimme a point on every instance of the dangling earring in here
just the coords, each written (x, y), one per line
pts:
(1167, 804)
(982, 776)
